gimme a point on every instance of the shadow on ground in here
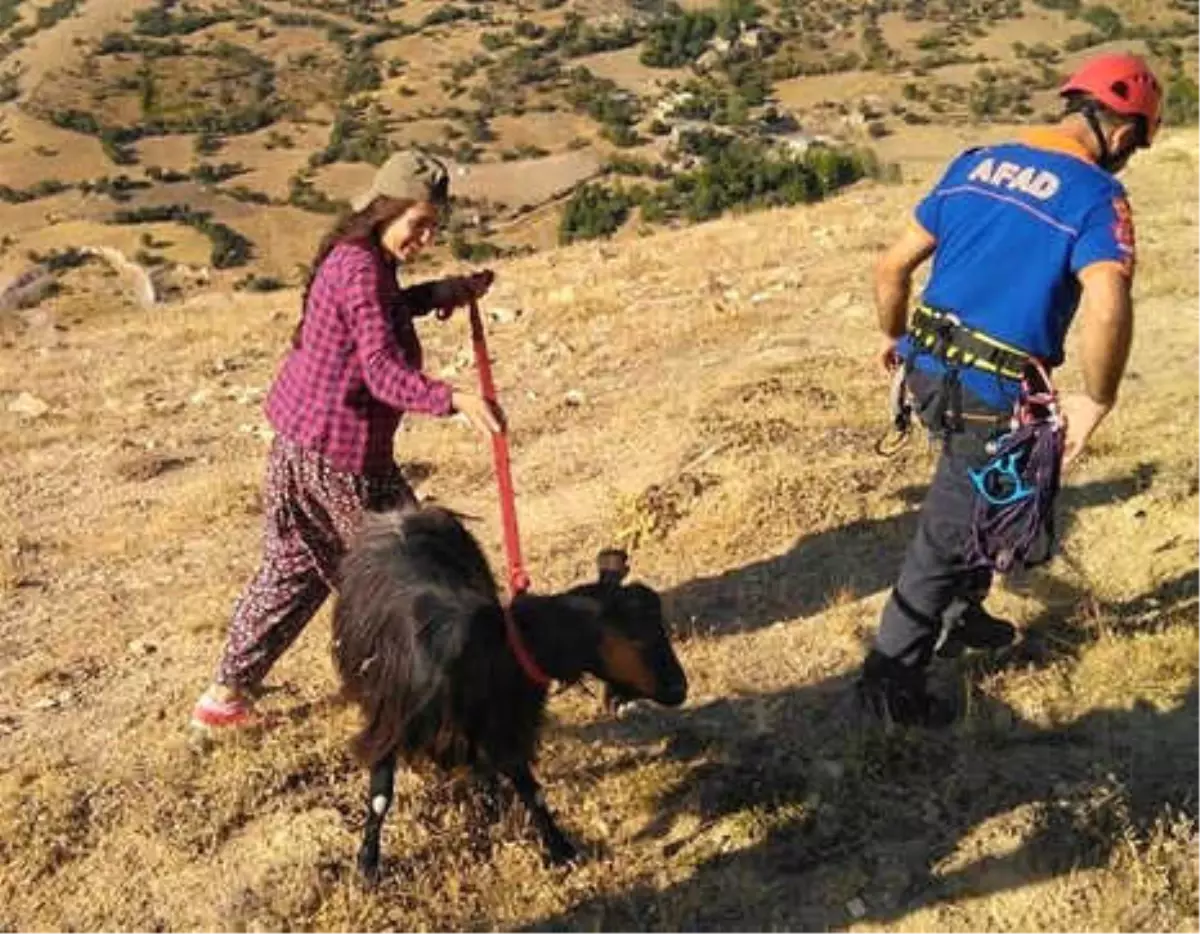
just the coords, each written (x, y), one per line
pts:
(829, 809)
(854, 561)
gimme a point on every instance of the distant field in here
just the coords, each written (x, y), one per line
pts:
(296, 101)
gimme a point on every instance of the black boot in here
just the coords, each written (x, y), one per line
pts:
(967, 625)
(895, 693)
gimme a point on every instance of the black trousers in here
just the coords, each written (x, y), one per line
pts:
(936, 574)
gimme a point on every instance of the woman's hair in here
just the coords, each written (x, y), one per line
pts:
(354, 227)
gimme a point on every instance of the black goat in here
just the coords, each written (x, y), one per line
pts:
(426, 650)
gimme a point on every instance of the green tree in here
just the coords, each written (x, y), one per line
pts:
(1105, 20)
(593, 211)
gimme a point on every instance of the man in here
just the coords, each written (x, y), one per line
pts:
(1022, 235)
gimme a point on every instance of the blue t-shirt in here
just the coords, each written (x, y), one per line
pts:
(1014, 226)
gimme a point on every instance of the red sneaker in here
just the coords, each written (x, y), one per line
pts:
(211, 714)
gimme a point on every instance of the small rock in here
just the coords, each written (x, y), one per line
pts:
(47, 703)
(574, 398)
(148, 466)
(244, 395)
(142, 647)
(28, 405)
(841, 300)
(504, 315)
(200, 396)
(262, 432)
(857, 908)
(563, 296)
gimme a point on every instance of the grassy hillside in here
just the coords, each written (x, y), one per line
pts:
(268, 115)
(706, 397)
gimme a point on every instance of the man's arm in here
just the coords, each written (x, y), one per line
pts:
(893, 285)
(1106, 320)
(893, 277)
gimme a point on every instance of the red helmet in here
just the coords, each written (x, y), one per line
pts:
(1124, 84)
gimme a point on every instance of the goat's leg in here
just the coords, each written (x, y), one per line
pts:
(558, 849)
(487, 784)
(379, 799)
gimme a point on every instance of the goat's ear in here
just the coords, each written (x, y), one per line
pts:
(613, 565)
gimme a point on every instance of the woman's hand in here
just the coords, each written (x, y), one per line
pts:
(486, 416)
(457, 291)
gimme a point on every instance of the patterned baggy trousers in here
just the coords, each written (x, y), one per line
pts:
(312, 511)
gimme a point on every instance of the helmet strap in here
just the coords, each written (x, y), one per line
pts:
(1105, 159)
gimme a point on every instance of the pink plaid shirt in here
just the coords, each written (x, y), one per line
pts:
(357, 368)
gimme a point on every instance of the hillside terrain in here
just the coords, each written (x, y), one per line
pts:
(704, 397)
(215, 140)
(703, 394)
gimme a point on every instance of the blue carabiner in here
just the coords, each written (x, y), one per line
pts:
(1006, 470)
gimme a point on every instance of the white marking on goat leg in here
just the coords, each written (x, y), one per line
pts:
(380, 803)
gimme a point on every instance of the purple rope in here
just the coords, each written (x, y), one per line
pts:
(1004, 537)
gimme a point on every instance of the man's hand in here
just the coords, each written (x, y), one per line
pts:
(1106, 317)
(1082, 416)
(888, 357)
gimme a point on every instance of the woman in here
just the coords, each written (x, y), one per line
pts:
(353, 370)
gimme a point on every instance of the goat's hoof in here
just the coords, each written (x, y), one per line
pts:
(368, 868)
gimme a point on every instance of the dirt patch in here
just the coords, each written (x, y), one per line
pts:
(40, 151)
(653, 513)
(146, 467)
(529, 181)
(623, 68)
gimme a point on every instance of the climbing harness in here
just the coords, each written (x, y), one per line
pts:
(944, 334)
(518, 579)
(1013, 520)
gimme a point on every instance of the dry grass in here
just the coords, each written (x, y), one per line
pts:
(725, 415)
